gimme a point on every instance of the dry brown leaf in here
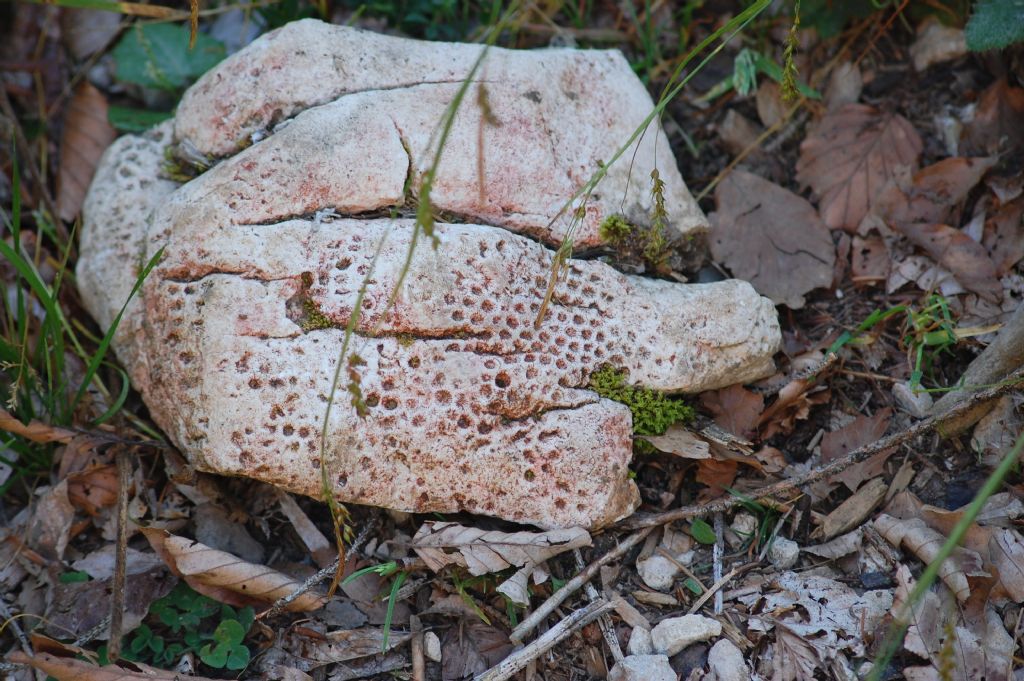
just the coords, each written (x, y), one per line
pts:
(734, 409)
(793, 404)
(852, 512)
(71, 669)
(87, 134)
(93, 489)
(471, 649)
(681, 442)
(924, 542)
(958, 253)
(49, 527)
(981, 646)
(440, 544)
(227, 578)
(36, 431)
(933, 192)
(482, 552)
(852, 154)
(795, 659)
(313, 649)
(770, 237)
(1004, 235)
(998, 123)
(862, 431)
(718, 475)
(869, 261)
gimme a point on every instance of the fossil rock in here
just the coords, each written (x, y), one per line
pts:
(234, 338)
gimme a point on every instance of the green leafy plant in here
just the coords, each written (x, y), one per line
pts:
(185, 621)
(702, 532)
(36, 339)
(384, 570)
(927, 332)
(653, 412)
(995, 24)
(746, 67)
(159, 56)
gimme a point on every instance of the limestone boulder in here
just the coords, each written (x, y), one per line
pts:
(318, 135)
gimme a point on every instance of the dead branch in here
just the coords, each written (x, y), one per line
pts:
(552, 637)
(570, 587)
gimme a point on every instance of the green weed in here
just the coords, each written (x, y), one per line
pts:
(384, 570)
(183, 622)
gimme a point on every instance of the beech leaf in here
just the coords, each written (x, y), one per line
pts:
(853, 153)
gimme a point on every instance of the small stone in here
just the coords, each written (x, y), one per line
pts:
(640, 642)
(726, 662)
(642, 668)
(743, 527)
(915, 403)
(672, 635)
(432, 646)
(657, 572)
(784, 553)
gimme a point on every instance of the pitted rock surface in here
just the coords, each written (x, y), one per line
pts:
(236, 335)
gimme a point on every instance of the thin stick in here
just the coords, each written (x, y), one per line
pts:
(419, 663)
(117, 584)
(716, 588)
(570, 587)
(603, 621)
(552, 637)
(319, 577)
(856, 456)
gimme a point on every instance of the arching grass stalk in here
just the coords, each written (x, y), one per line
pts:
(351, 361)
(894, 638)
(671, 90)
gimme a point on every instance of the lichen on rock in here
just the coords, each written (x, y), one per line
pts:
(463, 403)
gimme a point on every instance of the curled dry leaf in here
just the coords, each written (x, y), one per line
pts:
(958, 253)
(735, 409)
(924, 542)
(869, 260)
(225, 577)
(313, 649)
(87, 134)
(862, 431)
(852, 154)
(72, 669)
(482, 552)
(933, 192)
(770, 237)
(681, 442)
(93, 489)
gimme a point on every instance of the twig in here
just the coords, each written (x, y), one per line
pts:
(716, 588)
(419, 663)
(603, 621)
(570, 587)
(124, 474)
(552, 637)
(716, 556)
(322, 575)
(640, 520)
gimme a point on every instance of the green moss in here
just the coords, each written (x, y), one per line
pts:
(615, 229)
(653, 412)
(313, 318)
(405, 339)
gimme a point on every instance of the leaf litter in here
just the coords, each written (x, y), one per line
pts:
(953, 227)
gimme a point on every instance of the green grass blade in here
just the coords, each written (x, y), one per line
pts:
(392, 600)
(101, 351)
(894, 638)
